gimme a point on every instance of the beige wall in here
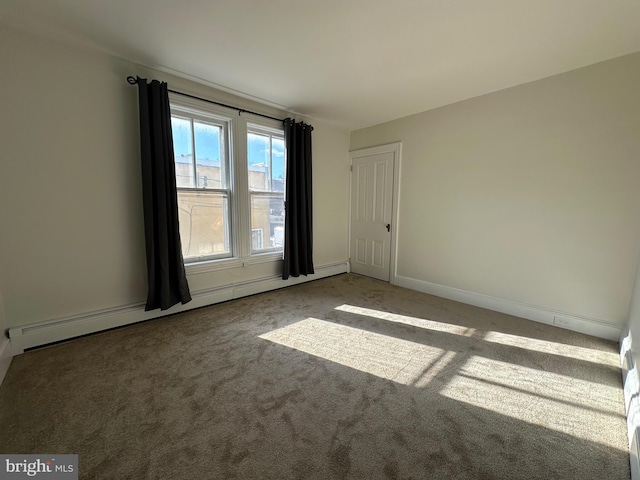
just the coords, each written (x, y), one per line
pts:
(3, 324)
(528, 194)
(70, 198)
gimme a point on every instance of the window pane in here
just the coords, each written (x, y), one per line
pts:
(204, 223)
(277, 165)
(209, 155)
(259, 161)
(183, 151)
(267, 222)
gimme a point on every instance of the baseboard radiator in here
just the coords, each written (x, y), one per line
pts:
(631, 383)
(59, 329)
(5, 355)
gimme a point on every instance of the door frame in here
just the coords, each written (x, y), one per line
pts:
(396, 149)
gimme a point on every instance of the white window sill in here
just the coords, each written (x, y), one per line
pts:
(263, 258)
(213, 265)
(228, 263)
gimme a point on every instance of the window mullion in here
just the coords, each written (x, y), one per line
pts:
(193, 154)
(243, 198)
(270, 163)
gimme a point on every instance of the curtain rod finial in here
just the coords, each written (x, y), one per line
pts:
(131, 80)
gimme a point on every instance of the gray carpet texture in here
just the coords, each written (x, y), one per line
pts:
(344, 377)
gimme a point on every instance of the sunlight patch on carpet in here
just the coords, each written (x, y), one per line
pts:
(544, 346)
(413, 321)
(394, 359)
(562, 403)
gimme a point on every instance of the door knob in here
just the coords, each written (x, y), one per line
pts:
(388, 227)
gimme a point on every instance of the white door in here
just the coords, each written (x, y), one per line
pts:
(371, 211)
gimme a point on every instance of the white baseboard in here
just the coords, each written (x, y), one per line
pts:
(58, 329)
(590, 326)
(6, 355)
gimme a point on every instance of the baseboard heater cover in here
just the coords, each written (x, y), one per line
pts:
(5, 356)
(55, 330)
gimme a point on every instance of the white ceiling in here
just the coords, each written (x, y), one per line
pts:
(352, 63)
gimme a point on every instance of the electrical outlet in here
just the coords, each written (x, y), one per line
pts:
(562, 322)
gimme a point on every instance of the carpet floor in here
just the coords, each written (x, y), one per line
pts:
(344, 377)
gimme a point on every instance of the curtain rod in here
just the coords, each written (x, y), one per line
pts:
(133, 81)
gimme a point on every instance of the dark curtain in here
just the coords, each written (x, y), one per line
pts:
(165, 265)
(298, 232)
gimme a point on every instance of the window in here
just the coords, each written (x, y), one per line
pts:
(230, 181)
(265, 158)
(200, 144)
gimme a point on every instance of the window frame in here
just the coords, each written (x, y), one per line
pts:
(183, 108)
(261, 129)
(238, 126)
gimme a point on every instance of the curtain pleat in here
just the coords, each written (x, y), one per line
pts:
(298, 224)
(167, 280)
